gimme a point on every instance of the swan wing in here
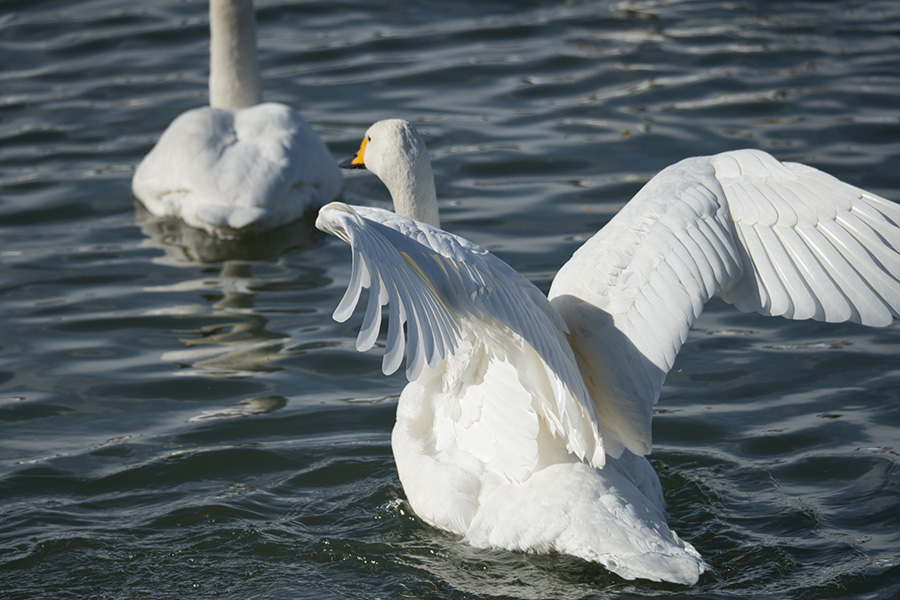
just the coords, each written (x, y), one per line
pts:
(220, 169)
(437, 284)
(781, 239)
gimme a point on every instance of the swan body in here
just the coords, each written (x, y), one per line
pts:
(526, 420)
(238, 165)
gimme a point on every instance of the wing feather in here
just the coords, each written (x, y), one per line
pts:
(395, 342)
(838, 307)
(797, 273)
(354, 288)
(886, 272)
(701, 247)
(874, 308)
(682, 264)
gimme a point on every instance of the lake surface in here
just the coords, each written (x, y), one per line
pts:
(181, 418)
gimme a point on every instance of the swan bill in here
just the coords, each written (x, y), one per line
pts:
(359, 159)
(351, 163)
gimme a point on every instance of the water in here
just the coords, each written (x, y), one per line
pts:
(180, 418)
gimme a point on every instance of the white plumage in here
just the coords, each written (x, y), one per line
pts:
(526, 421)
(236, 166)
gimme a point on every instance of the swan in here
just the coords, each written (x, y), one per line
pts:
(525, 424)
(238, 165)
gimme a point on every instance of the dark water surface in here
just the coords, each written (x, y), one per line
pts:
(182, 419)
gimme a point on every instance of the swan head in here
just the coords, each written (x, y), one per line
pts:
(394, 151)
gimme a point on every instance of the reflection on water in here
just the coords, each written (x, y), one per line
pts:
(182, 243)
(234, 340)
(244, 408)
(237, 342)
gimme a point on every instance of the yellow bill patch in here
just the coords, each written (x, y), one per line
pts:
(360, 158)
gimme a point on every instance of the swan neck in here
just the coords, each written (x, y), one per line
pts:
(234, 67)
(414, 196)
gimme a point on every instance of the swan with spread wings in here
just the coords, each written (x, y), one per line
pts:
(526, 421)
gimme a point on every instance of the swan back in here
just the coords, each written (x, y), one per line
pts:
(394, 151)
(234, 67)
(230, 171)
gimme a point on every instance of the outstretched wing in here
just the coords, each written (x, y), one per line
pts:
(781, 239)
(433, 282)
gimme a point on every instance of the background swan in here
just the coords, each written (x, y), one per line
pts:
(526, 420)
(237, 165)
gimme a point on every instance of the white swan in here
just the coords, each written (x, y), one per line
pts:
(526, 421)
(236, 166)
